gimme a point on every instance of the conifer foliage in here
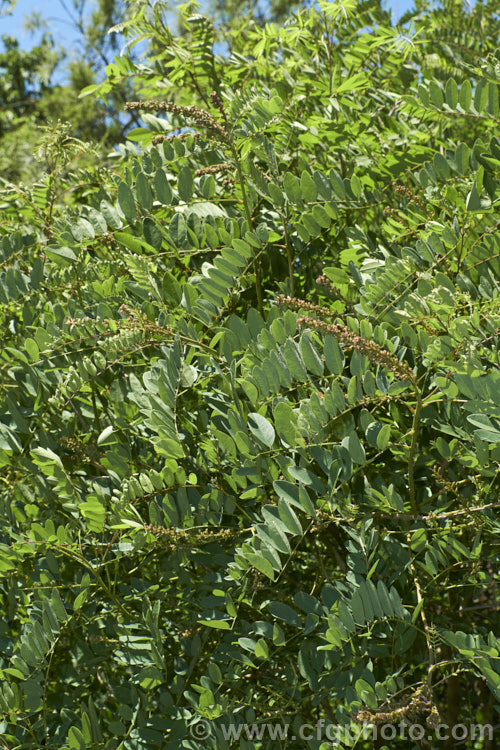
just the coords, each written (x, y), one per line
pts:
(249, 415)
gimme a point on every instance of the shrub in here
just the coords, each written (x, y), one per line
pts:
(249, 431)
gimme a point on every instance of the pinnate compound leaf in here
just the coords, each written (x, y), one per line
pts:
(473, 202)
(216, 624)
(284, 420)
(284, 612)
(63, 256)
(185, 184)
(294, 494)
(162, 188)
(126, 201)
(261, 428)
(292, 189)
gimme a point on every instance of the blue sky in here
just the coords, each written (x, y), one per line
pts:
(53, 11)
(12, 23)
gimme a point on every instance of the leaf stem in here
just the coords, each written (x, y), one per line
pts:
(413, 448)
(289, 260)
(414, 509)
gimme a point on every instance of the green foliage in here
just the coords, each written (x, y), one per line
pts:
(249, 421)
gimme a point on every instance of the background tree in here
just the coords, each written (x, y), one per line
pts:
(42, 85)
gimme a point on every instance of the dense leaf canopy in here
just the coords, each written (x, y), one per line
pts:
(249, 413)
